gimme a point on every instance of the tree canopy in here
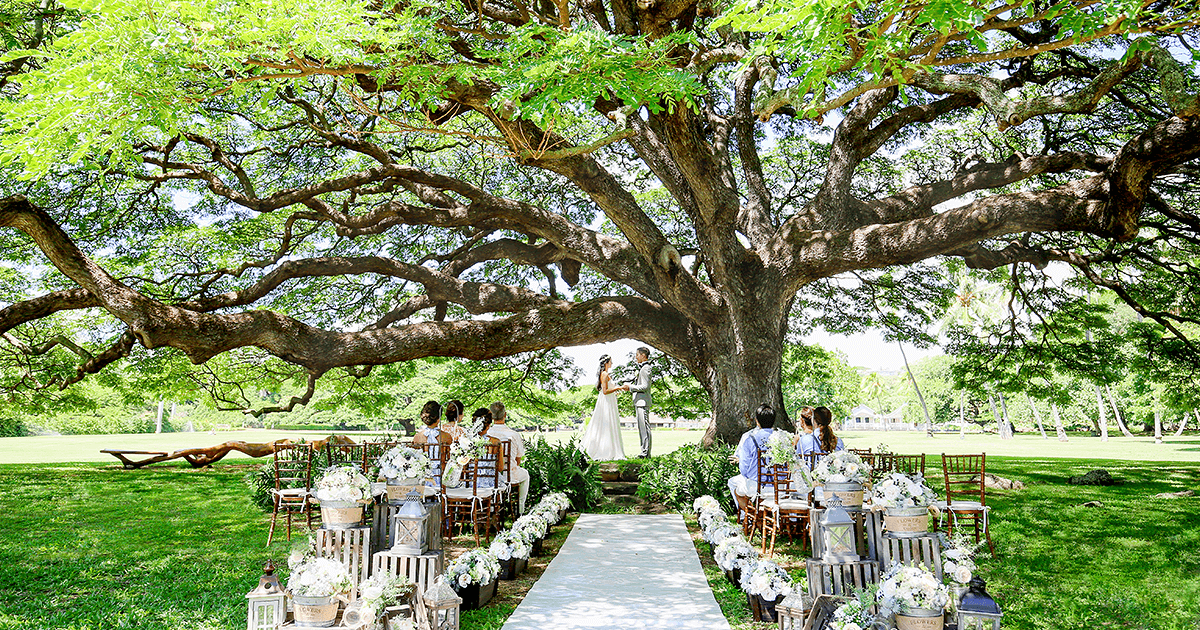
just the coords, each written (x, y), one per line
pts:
(277, 190)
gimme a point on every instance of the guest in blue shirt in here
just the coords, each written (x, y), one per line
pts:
(822, 440)
(745, 484)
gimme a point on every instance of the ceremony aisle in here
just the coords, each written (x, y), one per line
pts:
(622, 571)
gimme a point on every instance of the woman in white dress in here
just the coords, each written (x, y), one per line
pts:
(602, 437)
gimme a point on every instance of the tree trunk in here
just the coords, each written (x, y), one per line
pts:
(1006, 427)
(917, 388)
(158, 422)
(738, 382)
(1037, 416)
(1117, 412)
(1103, 415)
(995, 414)
(1157, 426)
(1058, 428)
(1182, 425)
(962, 414)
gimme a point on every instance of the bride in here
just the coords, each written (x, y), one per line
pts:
(602, 437)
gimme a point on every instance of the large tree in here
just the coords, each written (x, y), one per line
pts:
(341, 185)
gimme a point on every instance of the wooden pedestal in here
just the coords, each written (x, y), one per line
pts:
(926, 550)
(351, 547)
(420, 569)
(383, 525)
(868, 531)
(840, 578)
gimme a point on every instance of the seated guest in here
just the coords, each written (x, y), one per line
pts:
(805, 442)
(483, 417)
(431, 414)
(500, 430)
(744, 486)
(454, 412)
(825, 440)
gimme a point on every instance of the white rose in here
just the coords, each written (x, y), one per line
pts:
(372, 592)
(851, 626)
(464, 580)
(962, 575)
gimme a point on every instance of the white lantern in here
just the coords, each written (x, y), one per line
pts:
(266, 605)
(411, 525)
(441, 606)
(838, 532)
(793, 610)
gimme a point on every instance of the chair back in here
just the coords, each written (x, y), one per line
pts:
(506, 449)
(889, 462)
(860, 451)
(337, 454)
(293, 466)
(438, 454)
(811, 458)
(766, 471)
(485, 468)
(372, 451)
(964, 476)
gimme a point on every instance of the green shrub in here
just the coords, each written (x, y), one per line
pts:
(562, 468)
(11, 426)
(677, 478)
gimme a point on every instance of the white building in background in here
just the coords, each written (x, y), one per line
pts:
(864, 418)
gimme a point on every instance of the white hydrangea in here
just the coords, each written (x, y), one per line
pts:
(403, 462)
(899, 490)
(343, 483)
(841, 467)
(319, 577)
(767, 580)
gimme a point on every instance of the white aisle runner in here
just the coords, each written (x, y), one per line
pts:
(622, 571)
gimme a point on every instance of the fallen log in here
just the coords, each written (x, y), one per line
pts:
(201, 457)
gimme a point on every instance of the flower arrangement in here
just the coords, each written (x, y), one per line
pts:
(546, 513)
(706, 502)
(708, 517)
(854, 614)
(904, 587)
(781, 447)
(317, 577)
(735, 553)
(958, 559)
(899, 490)
(720, 531)
(403, 462)
(343, 483)
(511, 544)
(477, 566)
(532, 525)
(380, 591)
(841, 467)
(767, 580)
(466, 448)
(557, 500)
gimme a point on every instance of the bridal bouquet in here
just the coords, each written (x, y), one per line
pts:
(781, 448)
(318, 577)
(899, 490)
(735, 553)
(343, 483)
(477, 566)
(403, 462)
(958, 559)
(511, 544)
(904, 587)
(841, 467)
(767, 580)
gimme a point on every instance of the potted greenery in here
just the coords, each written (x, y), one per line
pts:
(342, 491)
(473, 577)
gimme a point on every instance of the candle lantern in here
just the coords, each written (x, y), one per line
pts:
(838, 532)
(977, 610)
(441, 606)
(793, 610)
(411, 525)
(266, 604)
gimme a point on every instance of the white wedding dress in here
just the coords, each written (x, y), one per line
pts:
(602, 436)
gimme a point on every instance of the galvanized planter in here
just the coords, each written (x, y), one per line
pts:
(341, 514)
(314, 612)
(920, 619)
(909, 522)
(851, 494)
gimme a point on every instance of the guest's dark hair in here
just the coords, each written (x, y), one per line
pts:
(604, 359)
(485, 414)
(765, 415)
(823, 417)
(644, 351)
(431, 413)
(806, 417)
(454, 410)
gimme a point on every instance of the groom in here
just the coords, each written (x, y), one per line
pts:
(641, 398)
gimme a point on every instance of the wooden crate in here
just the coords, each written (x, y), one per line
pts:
(840, 578)
(926, 550)
(420, 569)
(383, 525)
(868, 530)
(351, 547)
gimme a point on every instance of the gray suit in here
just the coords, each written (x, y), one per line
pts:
(641, 402)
